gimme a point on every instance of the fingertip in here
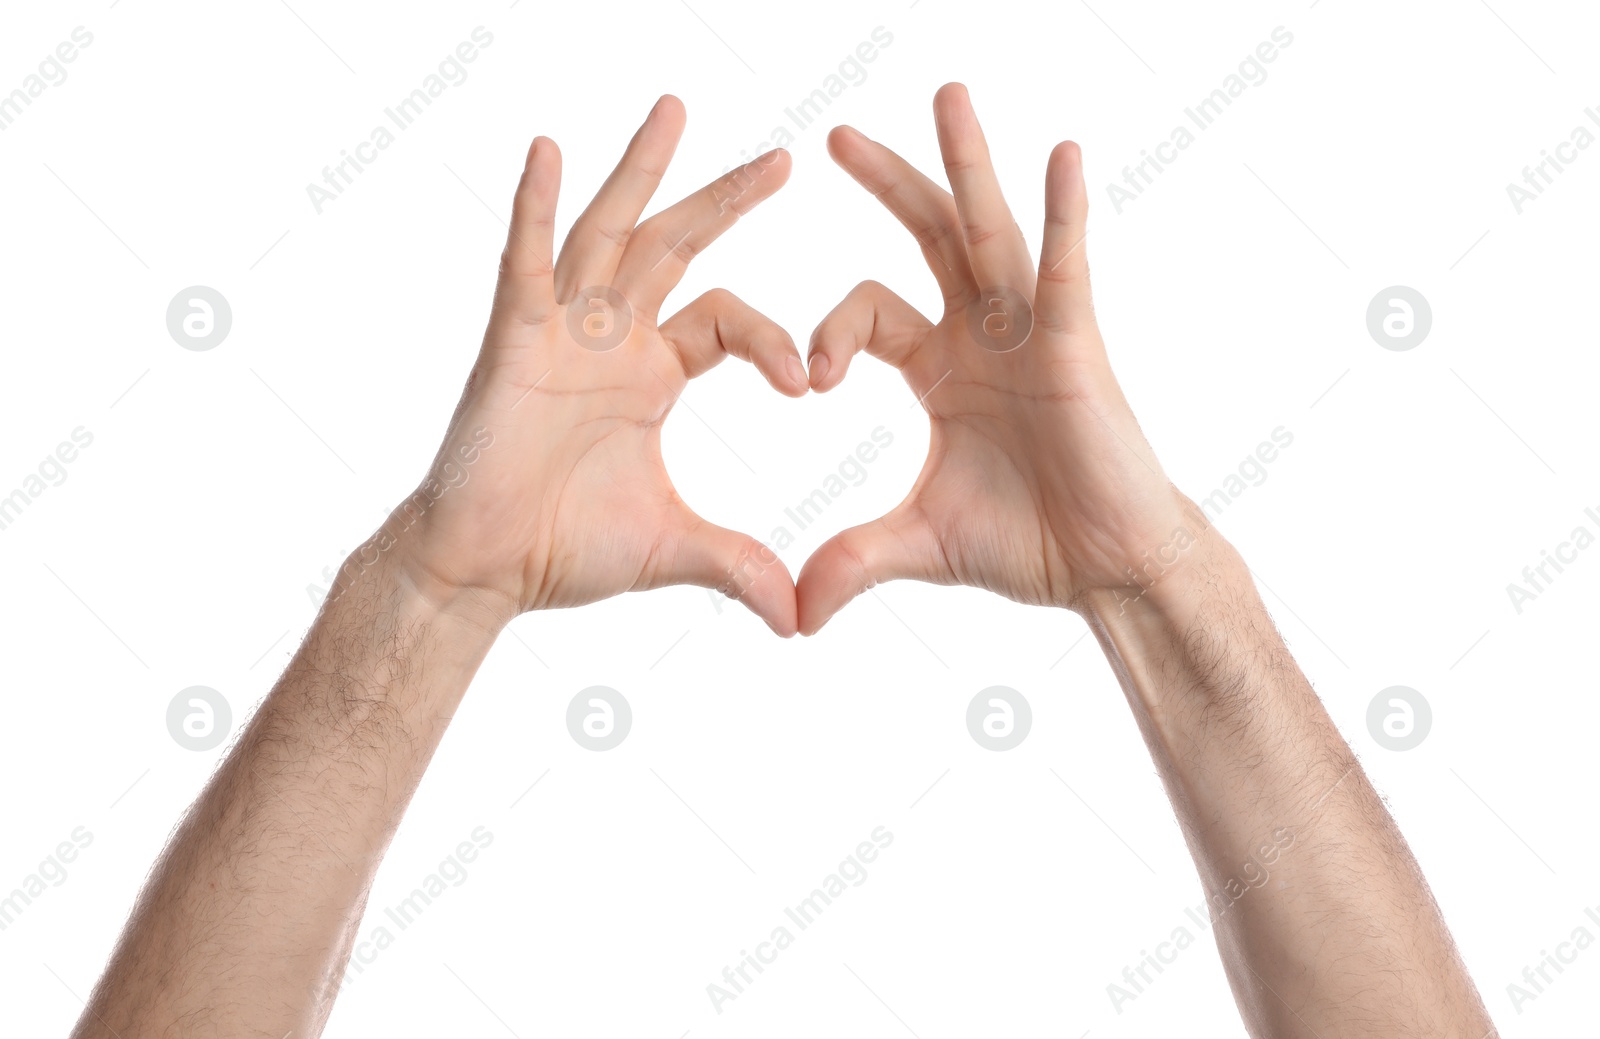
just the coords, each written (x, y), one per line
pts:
(813, 613)
(1064, 184)
(812, 619)
(773, 352)
(952, 94)
(825, 586)
(821, 366)
(842, 141)
(844, 133)
(777, 163)
(537, 191)
(796, 382)
(669, 107)
(661, 130)
(772, 598)
(543, 153)
(757, 180)
(1067, 155)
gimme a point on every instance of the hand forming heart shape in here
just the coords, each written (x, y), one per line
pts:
(550, 491)
(1038, 483)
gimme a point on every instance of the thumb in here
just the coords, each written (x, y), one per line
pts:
(735, 564)
(894, 547)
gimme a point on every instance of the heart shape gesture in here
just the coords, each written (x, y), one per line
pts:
(1039, 484)
(549, 489)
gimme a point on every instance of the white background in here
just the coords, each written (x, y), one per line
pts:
(1233, 295)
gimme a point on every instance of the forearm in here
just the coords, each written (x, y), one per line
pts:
(1324, 921)
(246, 921)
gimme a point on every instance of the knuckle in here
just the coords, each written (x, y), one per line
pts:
(721, 299)
(1066, 274)
(616, 236)
(521, 262)
(650, 171)
(676, 244)
(977, 234)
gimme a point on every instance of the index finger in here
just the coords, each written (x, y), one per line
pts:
(923, 207)
(662, 247)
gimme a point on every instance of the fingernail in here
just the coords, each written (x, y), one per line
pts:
(797, 372)
(819, 369)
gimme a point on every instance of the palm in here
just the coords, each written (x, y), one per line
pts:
(576, 475)
(1038, 483)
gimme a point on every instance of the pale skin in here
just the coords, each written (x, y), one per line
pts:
(1039, 485)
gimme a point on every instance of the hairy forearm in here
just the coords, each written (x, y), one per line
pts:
(246, 920)
(1324, 921)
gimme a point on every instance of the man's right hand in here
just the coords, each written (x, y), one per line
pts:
(1039, 484)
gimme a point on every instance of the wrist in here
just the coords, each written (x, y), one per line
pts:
(389, 568)
(1173, 580)
(1194, 646)
(388, 658)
